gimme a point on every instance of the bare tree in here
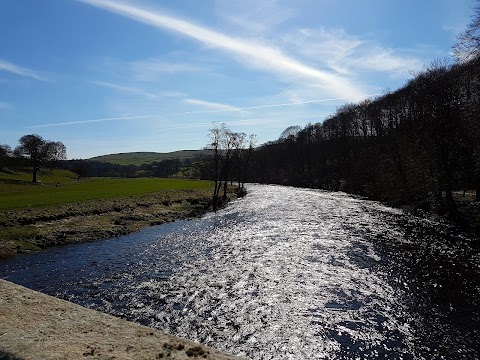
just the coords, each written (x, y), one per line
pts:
(39, 150)
(290, 133)
(229, 159)
(214, 146)
(229, 140)
(467, 46)
(239, 149)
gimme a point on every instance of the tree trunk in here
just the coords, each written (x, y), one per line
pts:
(477, 190)
(451, 206)
(35, 169)
(215, 178)
(225, 183)
(440, 203)
(245, 168)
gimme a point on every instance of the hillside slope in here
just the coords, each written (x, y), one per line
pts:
(139, 158)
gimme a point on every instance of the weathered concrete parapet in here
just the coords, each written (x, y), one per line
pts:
(37, 326)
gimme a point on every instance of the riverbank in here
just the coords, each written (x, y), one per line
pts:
(37, 326)
(33, 229)
(467, 217)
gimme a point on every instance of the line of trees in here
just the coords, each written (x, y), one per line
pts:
(165, 168)
(416, 144)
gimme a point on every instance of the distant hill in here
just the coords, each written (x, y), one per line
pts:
(139, 158)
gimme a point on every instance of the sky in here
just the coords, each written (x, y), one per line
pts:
(108, 76)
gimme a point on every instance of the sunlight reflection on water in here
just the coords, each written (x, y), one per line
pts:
(282, 274)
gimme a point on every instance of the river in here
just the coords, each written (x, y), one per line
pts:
(284, 273)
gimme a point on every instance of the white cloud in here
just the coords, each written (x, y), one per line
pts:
(173, 94)
(80, 122)
(4, 105)
(381, 59)
(349, 54)
(19, 70)
(212, 105)
(247, 52)
(330, 47)
(252, 15)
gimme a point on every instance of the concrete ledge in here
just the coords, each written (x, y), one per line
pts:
(37, 326)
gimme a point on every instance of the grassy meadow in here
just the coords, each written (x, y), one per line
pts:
(33, 217)
(17, 191)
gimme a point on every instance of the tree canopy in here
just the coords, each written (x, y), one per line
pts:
(39, 150)
(467, 46)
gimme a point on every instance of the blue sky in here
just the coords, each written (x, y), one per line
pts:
(106, 76)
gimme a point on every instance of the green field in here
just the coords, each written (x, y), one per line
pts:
(139, 158)
(17, 191)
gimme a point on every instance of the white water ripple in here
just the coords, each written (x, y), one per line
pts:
(285, 277)
(283, 273)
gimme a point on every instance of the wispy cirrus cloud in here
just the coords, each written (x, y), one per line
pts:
(138, 91)
(81, 122)
(20, 70)
(4, 105)
(127, 89)
(253, 16)
(228, 108)
(347, 54)
(270, 120)
(245, 51)
(214, 106)
(386, 60)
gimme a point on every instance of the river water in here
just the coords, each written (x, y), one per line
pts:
(284, 273)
